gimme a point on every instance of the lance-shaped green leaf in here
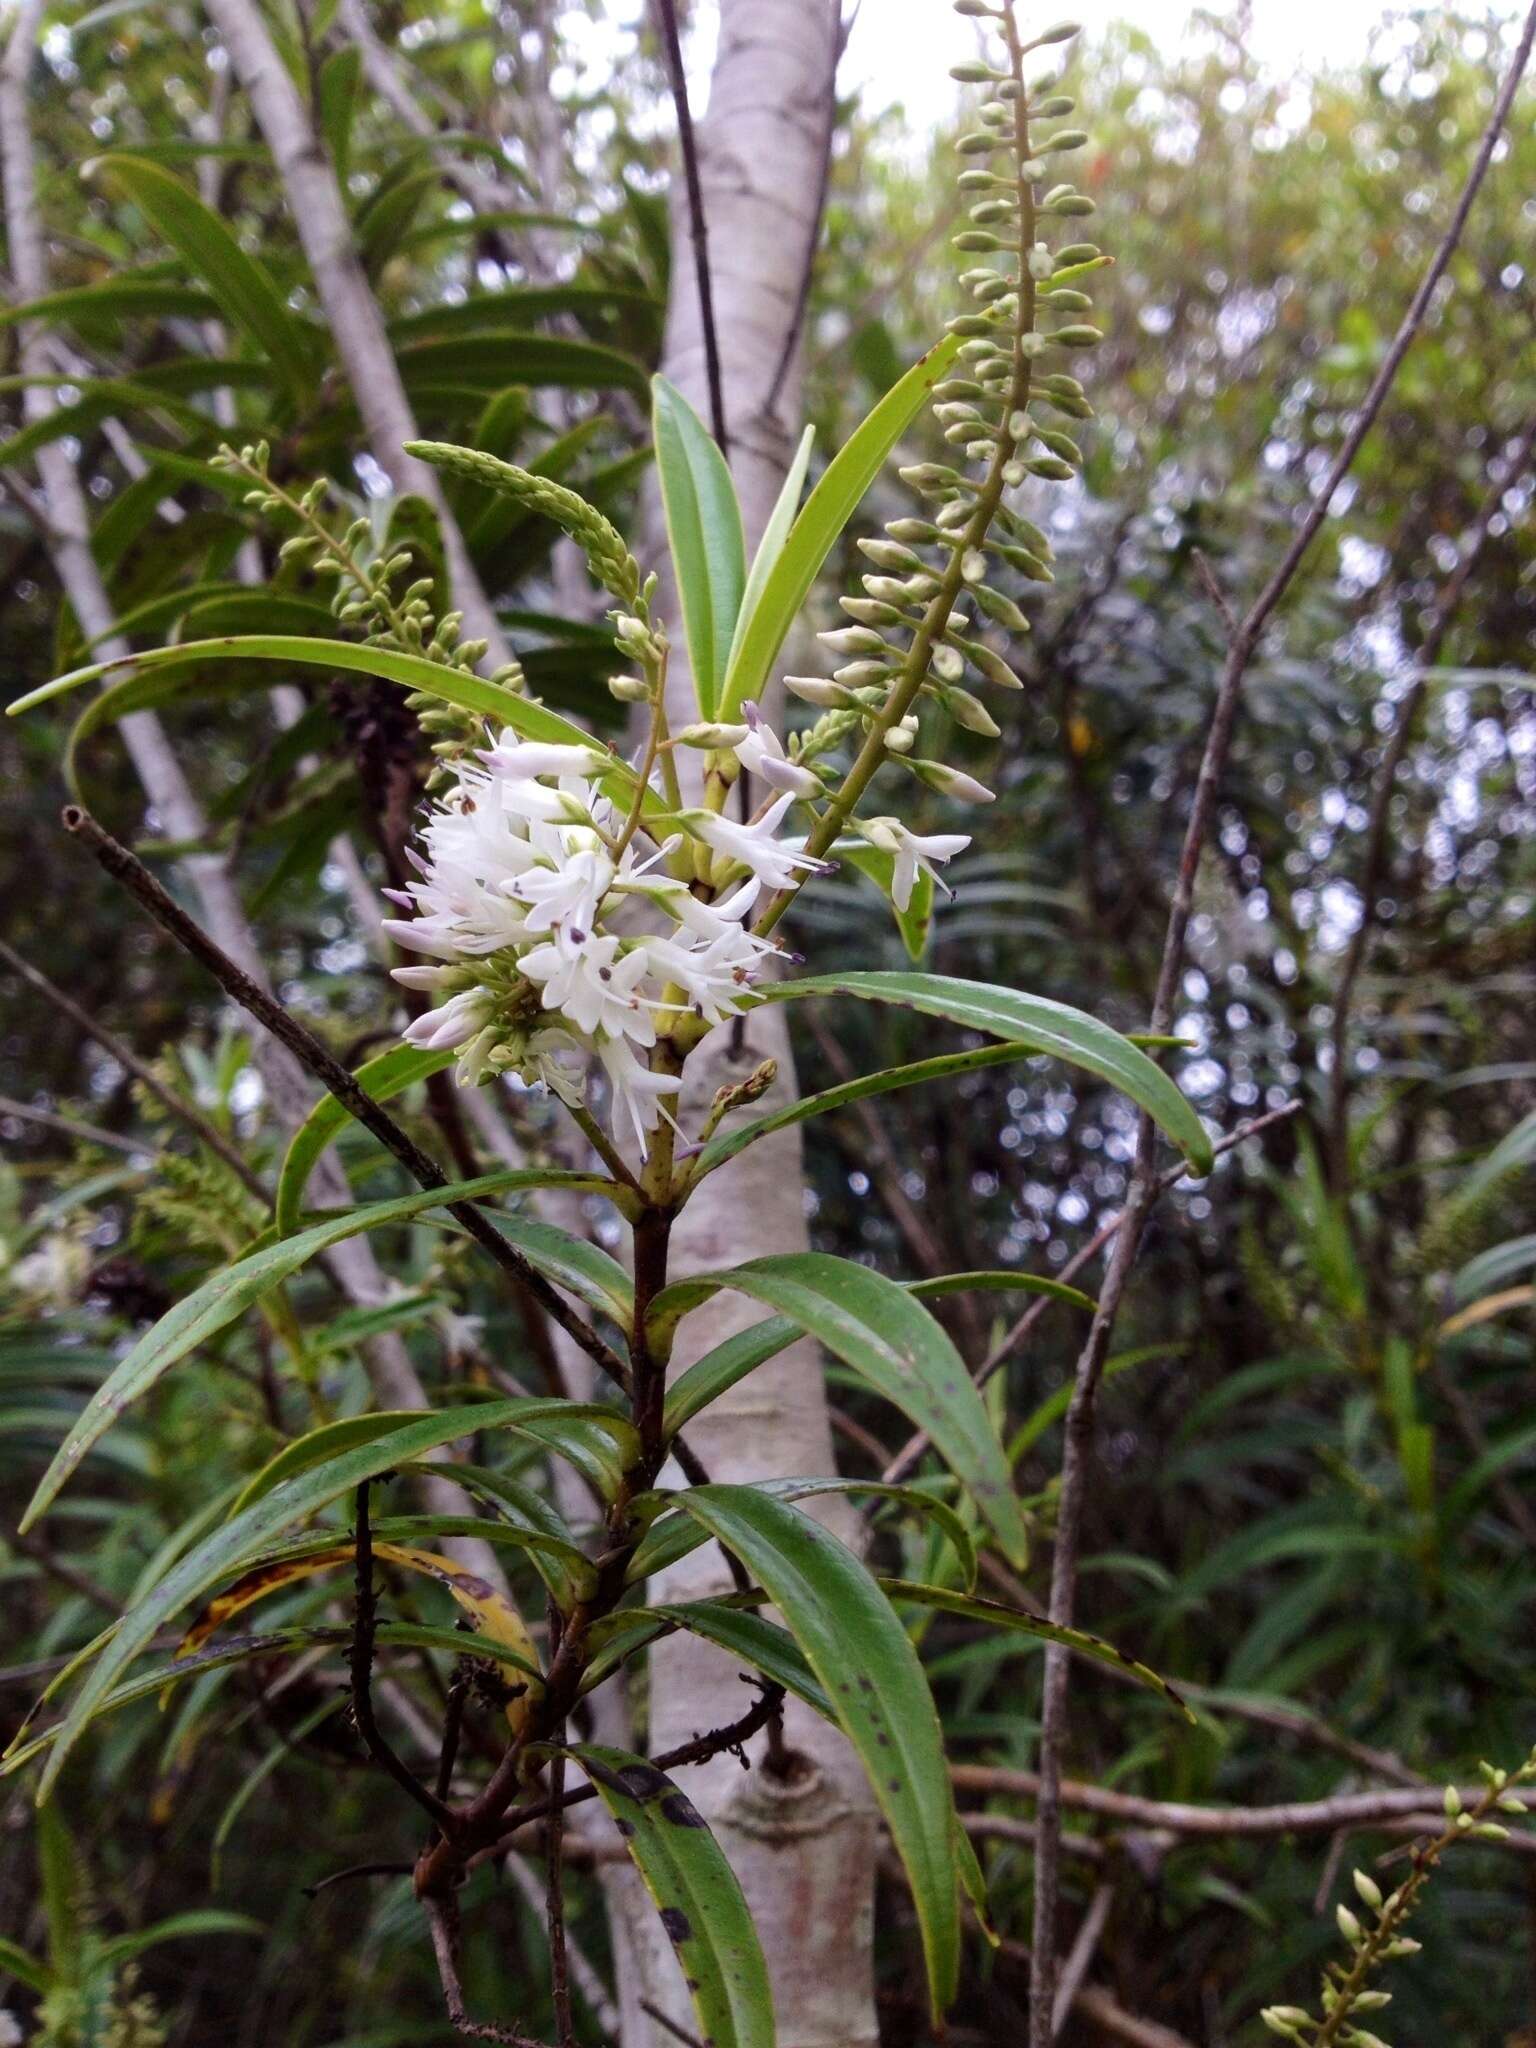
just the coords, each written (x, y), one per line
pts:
(775, 533)
(582, 1268)
(695, 1892)
(249, 298)
(381, 1078)
(826, 512)
(999, 1280)
(233, 1542)
(673, 1535)
(242, 1649)
(1036, 1023)
(768, 1648)
(150, 685)
(708, 1378)
(867, 1666)
(972, 1607)
(875, 1326)
(117, 298)
(213, 1306)
(705, 535)
(725, 1147)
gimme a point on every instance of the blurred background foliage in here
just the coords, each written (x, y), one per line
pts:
(1315, 1486)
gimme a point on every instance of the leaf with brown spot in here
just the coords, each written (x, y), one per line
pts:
(696, 1895)
(490, 1612)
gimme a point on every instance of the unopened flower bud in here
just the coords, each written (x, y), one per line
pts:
(1348, 1925)
(711, 737)
(628, 689)
(1369, 1891)
(952, 782)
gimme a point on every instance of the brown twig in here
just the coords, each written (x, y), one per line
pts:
(670, 2025)
(206, 1132)
(698, 224)
(1144, 1181)
(1388, 1806)
(554, 1898)
(443, 1920)
(71, 1127)
(363, 1629)
(125, 867)
(718, 1742)
(1081, 1954)
(1377, 863)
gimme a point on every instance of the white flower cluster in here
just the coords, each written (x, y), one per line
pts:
(536, 908)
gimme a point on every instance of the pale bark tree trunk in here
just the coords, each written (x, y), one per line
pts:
(165, 785)
(804, 1848)
(351, 311)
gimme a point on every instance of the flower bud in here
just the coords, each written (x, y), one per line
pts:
(1065, 138)
(812, 690)
(1051, 109)
(853, 640)
(1080, 336)
(972, 72)
(1058, 32)
(628, 689)
(969, 712)
(952, 782)
(711, 737)
(1369, 1891)
(948, 664)
(1348, 1925)
(888, 554)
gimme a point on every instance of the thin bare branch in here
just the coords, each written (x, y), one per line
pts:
(1080, 1955)
(364, 1629)
(185, 1112)
(1375, 872)
(698, 222)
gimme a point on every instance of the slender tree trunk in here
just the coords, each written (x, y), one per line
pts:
(803, 1845)
(351, 311)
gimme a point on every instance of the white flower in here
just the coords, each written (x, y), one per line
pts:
(715, 975)
(567, 893)
(524, 760)
(754, 846)
(637, 1092)
(762, 753)
(914, 853)
(453, 1023)
(585, 977)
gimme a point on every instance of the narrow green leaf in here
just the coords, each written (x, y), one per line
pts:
(388, 1075)
(582, 1268)
(705, 534)
(876, 1327)
(673, 1536)
(243, 288)
(117, 298)
(768, 1648)
(695, 1892)
(15, 1962)
(999, 1280)
(972, 1607)
(232, 1542)
(213, 1306)
(775, 533)
(196, 1926)
(827, 511)
(866, 1664)
(708, 1378)
(1036, 1023)
(719, 1150)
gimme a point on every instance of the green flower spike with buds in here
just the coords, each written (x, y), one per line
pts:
(931, 599)
(367, 599)
(1374, 1936)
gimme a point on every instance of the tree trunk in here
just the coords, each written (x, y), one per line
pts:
(804, 1845)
